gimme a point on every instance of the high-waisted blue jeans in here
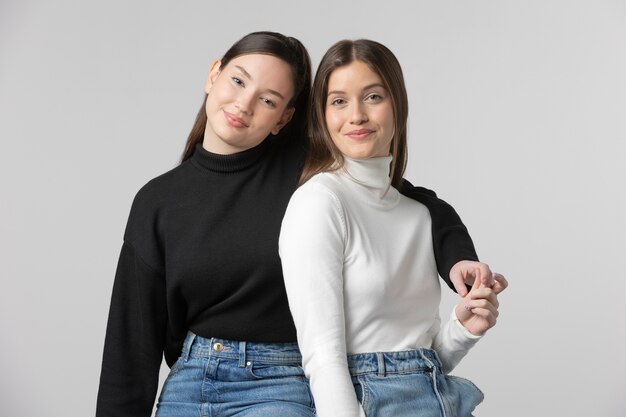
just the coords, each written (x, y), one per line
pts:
(222, 378)
(410, 383)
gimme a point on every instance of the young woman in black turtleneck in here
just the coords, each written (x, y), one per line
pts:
(199, 277)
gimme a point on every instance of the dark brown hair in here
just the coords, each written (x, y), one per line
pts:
(283, 47)
(323, 154)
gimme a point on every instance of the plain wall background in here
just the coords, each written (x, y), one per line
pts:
(517, 119)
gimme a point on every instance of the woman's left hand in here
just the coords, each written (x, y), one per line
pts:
(478, 312)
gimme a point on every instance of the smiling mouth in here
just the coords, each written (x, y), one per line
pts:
(234, 121)
(359, 133)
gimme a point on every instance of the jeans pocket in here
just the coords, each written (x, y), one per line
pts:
(467, 396)
(261, 370)
(178, 365)
(360, 388)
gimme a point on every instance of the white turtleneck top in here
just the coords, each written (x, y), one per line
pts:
(361, 277)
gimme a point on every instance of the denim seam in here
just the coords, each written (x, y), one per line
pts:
(435, 376)
(258, 359)
(365, 397)
(209, 371)
(387, 372)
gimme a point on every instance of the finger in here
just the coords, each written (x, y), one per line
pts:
(487, 294)
(482, 308)
(484, 274)
(501, 283)
(487, 312)
(477, 279)
(458, 280)
(482, 292)
(486, 315)
(493, 299)
(463, 311)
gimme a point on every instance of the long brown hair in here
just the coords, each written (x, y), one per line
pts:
(323, 154)
(283, 47)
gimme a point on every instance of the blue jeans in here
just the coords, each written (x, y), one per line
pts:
(410, 383)
(215, 377)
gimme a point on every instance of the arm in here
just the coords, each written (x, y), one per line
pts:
(312, 253)
(470, 320)
(451, 240)
(135, 334)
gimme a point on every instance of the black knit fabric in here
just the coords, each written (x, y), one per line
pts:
(200, 253)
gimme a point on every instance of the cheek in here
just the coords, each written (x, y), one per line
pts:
(333, 121)
(208, 106)
(265, 119)
(221, 91)
(386, 117)
(212, 100)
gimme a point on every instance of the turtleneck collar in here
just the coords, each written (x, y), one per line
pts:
(372, 173)
(227, 163)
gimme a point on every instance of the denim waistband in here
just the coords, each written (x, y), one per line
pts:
(383, 363)
(275, 353)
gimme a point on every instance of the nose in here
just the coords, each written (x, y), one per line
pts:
(358, 116)
(245, 102)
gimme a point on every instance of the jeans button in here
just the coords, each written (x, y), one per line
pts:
(218, 347)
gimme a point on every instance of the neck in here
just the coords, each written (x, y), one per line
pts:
(372, 173)
(228, 162)
(214, 144)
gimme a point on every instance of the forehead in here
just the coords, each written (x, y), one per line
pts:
(264, 69)
(355, 75)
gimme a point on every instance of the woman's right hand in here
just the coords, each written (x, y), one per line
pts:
(478, 312)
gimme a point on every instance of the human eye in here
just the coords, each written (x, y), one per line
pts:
(337, 102)
(375, 97)
(268, 102)
(238, 81)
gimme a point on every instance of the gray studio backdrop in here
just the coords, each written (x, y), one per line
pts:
(517, 119)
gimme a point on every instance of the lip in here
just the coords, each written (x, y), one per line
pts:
(234, 121)
(359, 133)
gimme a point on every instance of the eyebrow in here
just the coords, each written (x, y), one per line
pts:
(243, 70)
(247, 74)
(367, 87)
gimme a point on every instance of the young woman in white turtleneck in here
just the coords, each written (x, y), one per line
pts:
(358, 262)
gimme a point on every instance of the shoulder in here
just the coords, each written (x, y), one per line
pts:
(441, 211)
(165, 188)
(314, 214)
(316, 202)
(151, 199)
(416, 192)
(164, 183)
(321, 191)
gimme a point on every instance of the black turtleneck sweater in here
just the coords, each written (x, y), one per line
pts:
(200, 253)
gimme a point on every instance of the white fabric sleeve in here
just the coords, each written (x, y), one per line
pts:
(311, 247)
(453, 342)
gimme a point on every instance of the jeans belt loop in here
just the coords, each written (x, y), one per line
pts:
(381, 364)
(242, 354)
(187, 345)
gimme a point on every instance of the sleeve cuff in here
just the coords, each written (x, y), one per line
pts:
(460, 332)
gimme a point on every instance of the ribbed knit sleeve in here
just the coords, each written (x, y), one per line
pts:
(136, 326)
(451, 240)
(134, 339)
(453, 342)
(312, 252)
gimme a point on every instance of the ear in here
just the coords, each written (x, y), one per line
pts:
(213, 73)
(287, 115)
